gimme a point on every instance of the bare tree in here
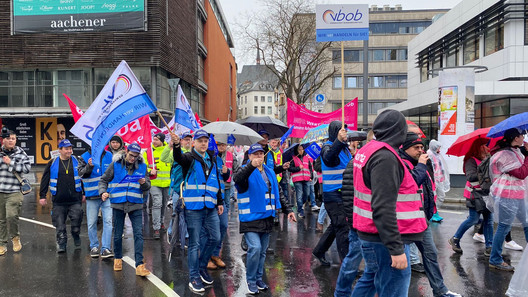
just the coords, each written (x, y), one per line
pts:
(284, 35)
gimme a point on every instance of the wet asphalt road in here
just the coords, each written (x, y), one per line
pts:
(291, 271)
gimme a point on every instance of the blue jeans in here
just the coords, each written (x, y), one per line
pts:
(349, 266)
(379, 276)
(224, 218)
(322, 214)
(430, 261)
(92, 212)
(509, 209)
(136, 218)
(472, 219)
(256, 255)
(198, 256)
(312, 194)
(413, 254)
(285, 188)
(302, 192)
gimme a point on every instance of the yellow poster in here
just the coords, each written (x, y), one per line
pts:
(46, 139)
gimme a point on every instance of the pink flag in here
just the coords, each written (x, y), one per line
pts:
(76, 111)
(139, 131)
(304, 119)
(198, 119)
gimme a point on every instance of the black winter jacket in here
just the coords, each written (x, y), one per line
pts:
(347, 192)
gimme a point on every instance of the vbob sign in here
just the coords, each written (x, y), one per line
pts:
(342, 22)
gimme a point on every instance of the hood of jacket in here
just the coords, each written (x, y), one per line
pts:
(390, 127)
(121, 147)
(434, 146)
(333, 130)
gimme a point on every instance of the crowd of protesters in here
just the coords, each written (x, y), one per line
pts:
(379, 198)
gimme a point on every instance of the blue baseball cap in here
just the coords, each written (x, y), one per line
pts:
(65, 143)
(255, 148)
(263, 131)
(186, 134)
(134, 147)
(200, 133)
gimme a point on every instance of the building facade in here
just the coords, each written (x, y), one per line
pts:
(390, 30)
(488, 33)
(257, 92)
(180, 42)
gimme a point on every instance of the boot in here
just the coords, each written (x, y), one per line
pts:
(118, 264)
(141, 270)
(211, 265)
(218, 262)
(17, 246)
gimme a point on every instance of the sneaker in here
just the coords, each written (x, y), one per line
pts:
(455, 244)
(512, 245)
(418, 267)
(61, 248)
(262, 285)
(322, 259)
(487, 252)
(270, 251)
(118, 264)
(479, 237)
(196, 285)
(315, 208)
(243, 244)
(94, 252)
(450, 294)
(162, 227)
(211, 265)
(141, 270)
(3, 250)
(17, 246)
(218, 262)
(107, 254)
(300, 215)
(502, 266)
(206, 278)
(156, 234)
(436, 218)
(252, 288)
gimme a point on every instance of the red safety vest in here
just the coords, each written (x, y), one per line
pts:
(410, 217)
(304, 174)
(229, 164)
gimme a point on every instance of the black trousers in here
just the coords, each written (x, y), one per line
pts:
(59, 214)
(337, 230)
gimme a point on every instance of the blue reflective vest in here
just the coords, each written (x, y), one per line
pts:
(259, 202)
(121, 190)
(333, 176)
(270, 161)
(220, 164)
(54, 175)
(199, 192)
(91, 183)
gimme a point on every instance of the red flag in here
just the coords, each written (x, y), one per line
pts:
(76, 111)
(198, 119)
(139, 131)
(218, 119)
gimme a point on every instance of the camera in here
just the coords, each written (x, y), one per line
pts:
(5, 132)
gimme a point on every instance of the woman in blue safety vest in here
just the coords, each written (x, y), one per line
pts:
(258, 198)
(124, 183)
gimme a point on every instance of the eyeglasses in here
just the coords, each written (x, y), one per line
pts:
(133, 156)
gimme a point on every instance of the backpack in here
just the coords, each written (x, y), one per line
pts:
(483, 174)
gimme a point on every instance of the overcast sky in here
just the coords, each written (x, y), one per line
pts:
(235, 9)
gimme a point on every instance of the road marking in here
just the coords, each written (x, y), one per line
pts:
(452, 211)
(153, 279)
(38, 223)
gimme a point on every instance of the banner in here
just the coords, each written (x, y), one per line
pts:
(121, 101)
(304, 119)
(76, 111)
(65, 16)
(183, 114)
(340, 22)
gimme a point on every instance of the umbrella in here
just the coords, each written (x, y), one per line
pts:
(517, 121)
(274, 127)
(222, 130)
(321, 132)
(463, 144)
(422, 135)
(288, 154)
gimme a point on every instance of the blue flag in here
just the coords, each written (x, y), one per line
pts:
(231, 139)
(212, 145)
(286, 135)
(183, 114)
(313, 150)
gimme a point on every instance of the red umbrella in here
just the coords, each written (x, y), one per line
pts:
(422, 135)
(463, 144)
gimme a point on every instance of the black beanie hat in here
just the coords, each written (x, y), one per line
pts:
(411, 140)
(160, 136)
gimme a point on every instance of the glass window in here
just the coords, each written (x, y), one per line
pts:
(403, 81)
(518, 105)
(269, 109)
(262, 98)
(378, 55)
(392, 81)
(337, 82)
(494, 39)
(351, 82)
(496, 108)
(402, 54)
(245, 99)
(255, 109)
(262, 110)
(452, 57)
(350, 56)
(374, 107)
(471, 49)
(270, 99)
(392, 54)
(256, 98)
(376, 82)
(245, 110)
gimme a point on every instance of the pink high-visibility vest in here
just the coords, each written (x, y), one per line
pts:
(229, 164)
(410, 217)
(304, 174)
(433, 185)
(509, 188)
(471, 185)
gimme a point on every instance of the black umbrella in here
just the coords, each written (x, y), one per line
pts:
(356, 135)
(288, 154)
(274, 127)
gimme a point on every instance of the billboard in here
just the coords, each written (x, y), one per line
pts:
(341, 22)
(64, 16)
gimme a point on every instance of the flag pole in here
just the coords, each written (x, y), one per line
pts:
(342, 85)
(164, 122)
